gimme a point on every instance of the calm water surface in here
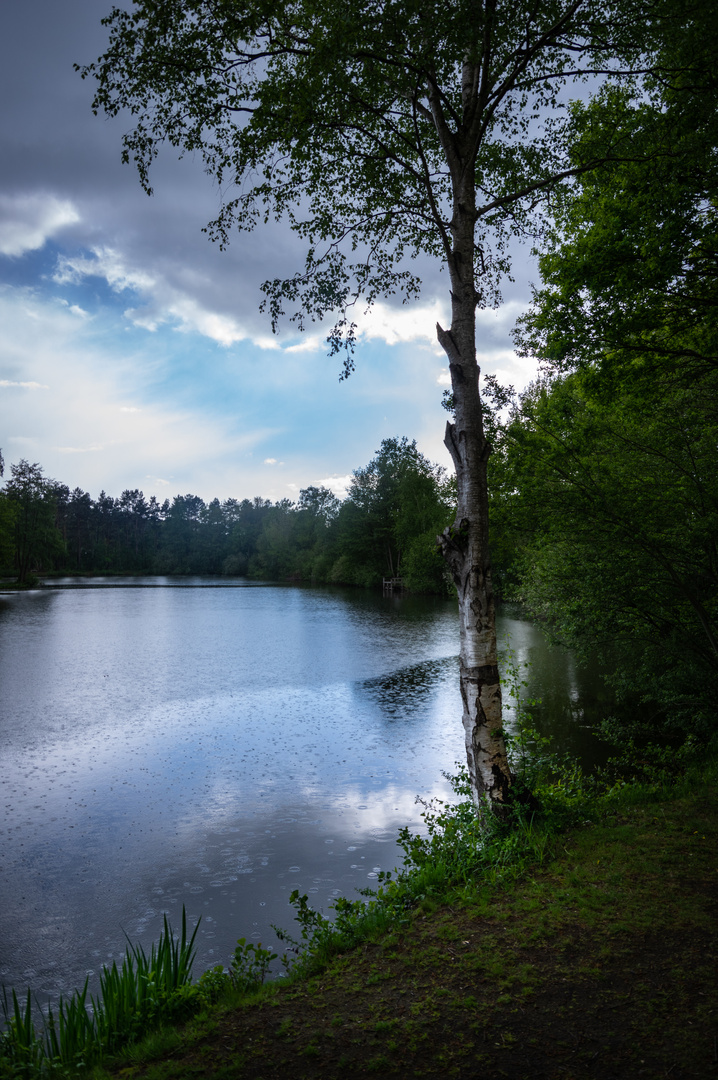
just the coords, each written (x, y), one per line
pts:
(218, 745)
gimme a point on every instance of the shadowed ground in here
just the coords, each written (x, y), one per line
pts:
(602, 965)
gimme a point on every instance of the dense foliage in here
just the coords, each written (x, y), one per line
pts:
(386, 527)
(612, 506)
(606, 480)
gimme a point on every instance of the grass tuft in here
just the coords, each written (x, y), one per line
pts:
(133, 1000)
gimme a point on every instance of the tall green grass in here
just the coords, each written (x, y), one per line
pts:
(141, 994)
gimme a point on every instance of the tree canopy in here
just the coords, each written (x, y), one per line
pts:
(353, 121)
(29, 509)
(611, 504)
(629, 259)
(606, 481)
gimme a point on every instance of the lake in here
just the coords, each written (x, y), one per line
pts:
(219, 743)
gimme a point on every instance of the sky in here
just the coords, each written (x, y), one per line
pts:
(132, 350)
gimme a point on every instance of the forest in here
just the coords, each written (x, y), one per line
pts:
(385, 528)
(605, 473)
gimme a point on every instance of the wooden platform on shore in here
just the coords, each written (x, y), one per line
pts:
(389, 584)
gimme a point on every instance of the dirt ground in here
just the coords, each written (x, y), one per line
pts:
(602, 965)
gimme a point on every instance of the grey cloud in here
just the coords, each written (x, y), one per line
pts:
(52, 144)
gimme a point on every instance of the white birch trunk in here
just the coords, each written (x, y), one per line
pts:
(465, 545)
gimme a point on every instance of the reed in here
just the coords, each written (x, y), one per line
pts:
(133, 999)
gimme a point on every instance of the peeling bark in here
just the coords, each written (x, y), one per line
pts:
(465, 544)
(479, 674)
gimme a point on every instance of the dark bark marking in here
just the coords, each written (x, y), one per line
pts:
(501, 790)
(450, 444)
(446, 340)
(488, 675)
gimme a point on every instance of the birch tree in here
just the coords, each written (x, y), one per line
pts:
(381, 131)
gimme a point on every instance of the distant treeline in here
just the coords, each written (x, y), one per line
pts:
(385, 527)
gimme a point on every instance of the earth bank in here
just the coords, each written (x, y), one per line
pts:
(602, 964)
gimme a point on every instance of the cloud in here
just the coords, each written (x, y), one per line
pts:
(79, 449)
(444, 378)
(308, 343)
(416, 322)
(82, 434)
(105, 263)
(168, 299)
(163, 303)
(498, 322)
(338, 485)
(24, 385)
(410, 322)
(28, 221)
(270, 461)
(394, 325)
(506, 365)
(188, 315)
